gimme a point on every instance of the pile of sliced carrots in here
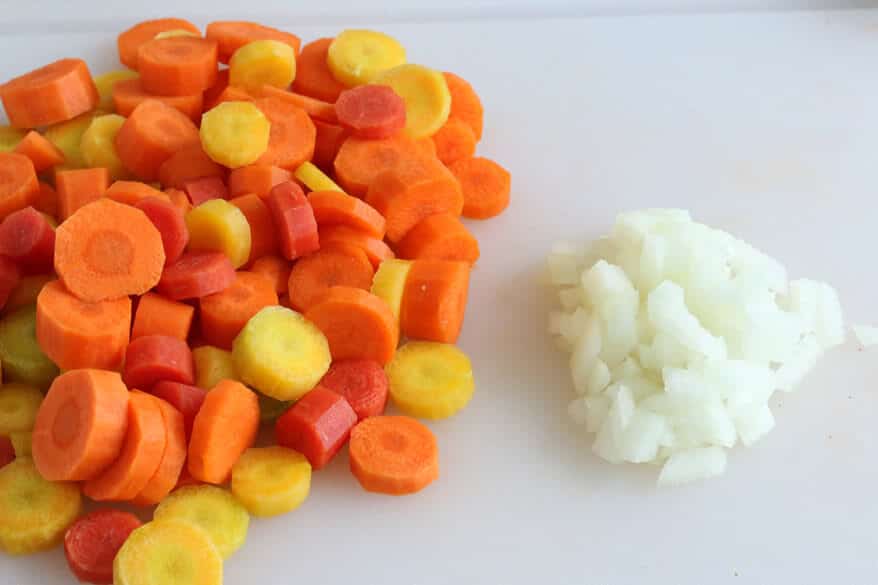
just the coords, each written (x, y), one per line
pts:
(190, 251)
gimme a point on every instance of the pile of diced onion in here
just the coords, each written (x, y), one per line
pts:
(678, 336)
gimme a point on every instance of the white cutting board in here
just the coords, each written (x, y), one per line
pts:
(764, 125)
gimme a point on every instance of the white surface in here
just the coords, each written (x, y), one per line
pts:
(764, 125)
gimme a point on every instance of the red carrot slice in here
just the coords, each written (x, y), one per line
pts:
(7, 451)
(27, 238)
(362, 383)
(294, 220)
(169, 221)
(156, 358)
(316, 426)
(92, 542)
(185, 398)
(371, 111)
(205, 189)
(197, 274)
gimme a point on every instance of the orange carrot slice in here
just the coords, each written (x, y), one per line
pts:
(129, 93)
(257, 179)
(224, 314)
(53, 93)
(224, 428)
(434, 301)
(173, 458)
(132, 192)
(108, 250)
(130, 40)
(141, 454)
(81, 425)
(151, 134)
(335, 208)
(317, 109)
(232, 35)
(18, 183)
(329, 139)
(393, 455)
(356, 323)
(360, 160)
(42, 153)
(157, 315)
(332, 265)
(78, 334)
(177, 65)
(275, 269)
(439, 237)
(313, 77)
(77, 188)
(485, 186)
(263, 239)
(292, 137)
(188, 164)
(376, 250)
(465, 103)
(454, 140)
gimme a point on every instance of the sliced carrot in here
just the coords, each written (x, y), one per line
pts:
(335, 265)
(213, 92)
(232, 35)
(130, 40)
(173, 458)
(188, 164)
(294, 220)
(157, 315)
(485, 186)
(409, 193)
(42, 153)
(108, 250)
(275, 269)
(329, 139)
(292, 137)
(224, 314)
(371, 111)
(196, 275)
(393, 455)
(77, 188)
(263, 239)
(376, 250)
(132, 192)
(129, 94)
(177, 65)
(335, 208)
(27, 238)
(92, 542)
(81, 425)
(105, 82)
(360, 160)
(205, 189)
(141, 454)
(258, 179)
(454, 140)
(313, 77)
(78, 334)
(53, 93)
(224, 428)
(228, 94)
(356, 323)
(362, 383)
(317, 109)
(185, 398)
(465, 103)
(180, 200)
(47, 200)
(151, 134)
(434, 301)
(10, 277)
(439, 237)
(317, 426)
(168, 220)
(156, 358)
(312, 178)
(18, 183)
